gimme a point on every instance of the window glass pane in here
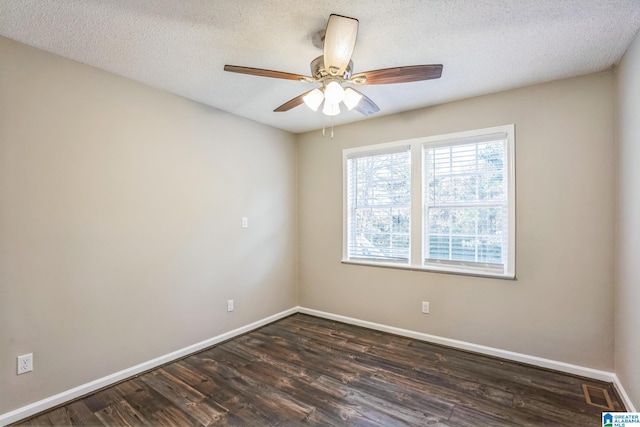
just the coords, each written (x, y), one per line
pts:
(379, 206)
(400, 220)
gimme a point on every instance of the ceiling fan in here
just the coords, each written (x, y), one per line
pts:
(334, 68)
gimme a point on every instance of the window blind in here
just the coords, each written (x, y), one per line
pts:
(379, 205)
(465, 203)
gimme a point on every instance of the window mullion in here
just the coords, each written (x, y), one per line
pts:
(416, 224)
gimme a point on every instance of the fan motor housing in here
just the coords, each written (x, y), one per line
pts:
(318, 71)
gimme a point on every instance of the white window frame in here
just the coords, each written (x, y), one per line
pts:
(417, 250)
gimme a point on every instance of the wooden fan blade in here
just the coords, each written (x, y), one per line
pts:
(366, 106)
(413, 73)
(264, 73)
(292, 103)
(339, 42)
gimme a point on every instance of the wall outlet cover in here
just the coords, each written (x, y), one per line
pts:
(25, 363)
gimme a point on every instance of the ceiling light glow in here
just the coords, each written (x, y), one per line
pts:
(313, 99)
(351, 98)
(334, 93)
(330, 109)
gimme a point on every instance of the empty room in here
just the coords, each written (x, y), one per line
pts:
(277, 213)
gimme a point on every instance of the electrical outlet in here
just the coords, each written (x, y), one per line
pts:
(230, 305)
(25, 363)
(425, 307)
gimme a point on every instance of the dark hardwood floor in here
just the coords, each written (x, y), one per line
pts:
(304, 370)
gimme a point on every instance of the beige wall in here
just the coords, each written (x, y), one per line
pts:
(120, 213)
(627, 302)
(120, 236)
(561, 305)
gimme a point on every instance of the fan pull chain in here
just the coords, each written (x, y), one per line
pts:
(324, 128)
(331, 118)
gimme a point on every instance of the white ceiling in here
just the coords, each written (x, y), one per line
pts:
(181, 46)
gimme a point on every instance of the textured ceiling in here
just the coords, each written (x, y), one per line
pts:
(181, 46)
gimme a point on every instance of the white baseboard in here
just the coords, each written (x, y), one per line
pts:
(609, 377)
(66, 396)
(60, 398)
(623, 394)
(463, 345)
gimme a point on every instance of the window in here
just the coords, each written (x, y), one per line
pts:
(463, 187)
(466, 204)
(379, 205)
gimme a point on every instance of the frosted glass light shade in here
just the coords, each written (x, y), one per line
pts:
(330, 109)
(313, 99)
(334, 93)
(351, 98)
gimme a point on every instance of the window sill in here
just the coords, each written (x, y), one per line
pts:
(431, 269)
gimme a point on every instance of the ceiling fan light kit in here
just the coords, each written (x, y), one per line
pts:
(334, 69)
(351, 98)
(313, 99)
(331, 109)
(333, 92)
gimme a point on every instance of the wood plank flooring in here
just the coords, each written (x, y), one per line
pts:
(304, 370)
